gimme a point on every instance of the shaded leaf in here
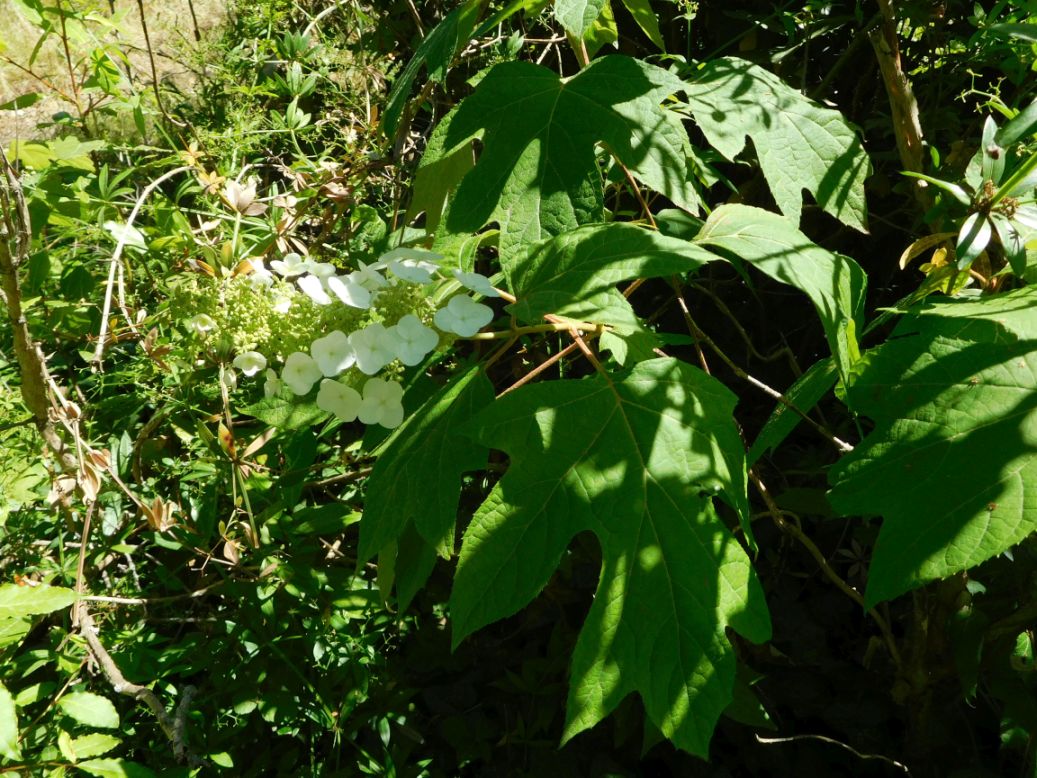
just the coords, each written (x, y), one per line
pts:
(804, 395)
(835, 284)
(800, 144)
(950, 465)
(635, 460)
(418, 475)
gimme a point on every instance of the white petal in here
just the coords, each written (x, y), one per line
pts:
(477, 282)
(314, 289)
(349, 292)
(300, 372)
(273, 384)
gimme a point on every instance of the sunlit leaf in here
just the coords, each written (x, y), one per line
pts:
(951, 464)
(635, 459)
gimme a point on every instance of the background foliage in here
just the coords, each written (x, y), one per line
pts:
(749, 430)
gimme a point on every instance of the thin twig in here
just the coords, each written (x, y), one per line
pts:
(823, 739)
(793, 529)
(697, 333)
(120, 685)
(114, 263)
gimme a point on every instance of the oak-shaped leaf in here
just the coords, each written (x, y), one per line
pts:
(537, 173)
(951, 465)
(800, 144)
(636, 460)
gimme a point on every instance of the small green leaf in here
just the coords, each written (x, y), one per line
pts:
(635, 459)
(127, 234)
(115, 768)
(286, 411)
(800, 144)
(8, 726)
(972, 239)
(993, 165)
(1012, 242)
(17, 601)
(950, 464)
(22, 101)
(577, 16)
(835, 284)
(90, 709)
(94, 744)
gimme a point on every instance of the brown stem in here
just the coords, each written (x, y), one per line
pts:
(906, 124)
(17, 230)
(792, 529)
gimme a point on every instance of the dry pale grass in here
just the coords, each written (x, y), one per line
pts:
(171, 29)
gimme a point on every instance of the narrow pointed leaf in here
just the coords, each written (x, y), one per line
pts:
(950, 464)
(1021, 127)
(835, 284)
(800, 144)
(972, 239)
(647, 20)
(435, 52)
(635, 460)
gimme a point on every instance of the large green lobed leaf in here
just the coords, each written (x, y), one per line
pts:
(537, 174)
(800, 144)
(951, 464)
(636, 460)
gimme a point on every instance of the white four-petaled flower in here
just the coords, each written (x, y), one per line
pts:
(250, 362)
(300, 372)
(333, 353)
(338, 399)
(201, 323)
(375, 347)
(382, 403)
(291, 265)
(413, 339)
(463, 316)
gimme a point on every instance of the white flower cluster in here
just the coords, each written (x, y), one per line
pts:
(369, 349)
